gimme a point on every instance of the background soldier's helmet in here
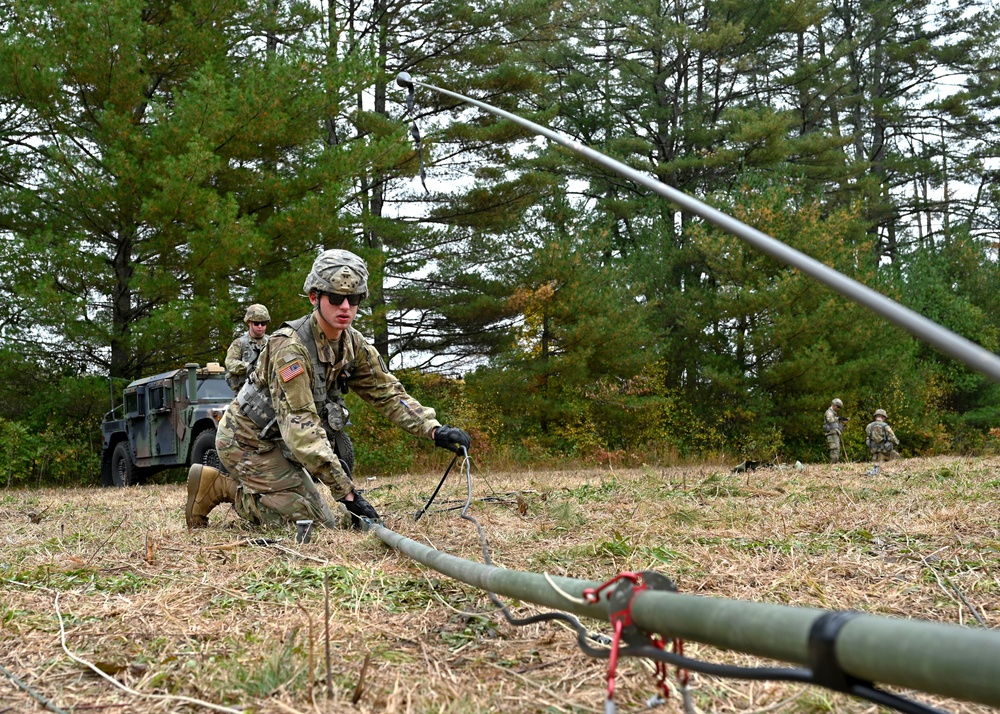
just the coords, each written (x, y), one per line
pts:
(338, 271)
(257, 313)
(837, 403)
(881, 413)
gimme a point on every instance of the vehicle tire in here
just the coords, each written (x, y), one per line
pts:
(123, 472)
(203, 450)
(344, 449)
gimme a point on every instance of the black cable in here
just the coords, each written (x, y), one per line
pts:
(422, 511)
(786, 674)
(403, 80)
(893, 701)
(48, 704)
(582, 633)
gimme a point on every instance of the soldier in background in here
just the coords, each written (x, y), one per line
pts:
(243, 352)
(833, 427)
(278, 436)
(880, 438)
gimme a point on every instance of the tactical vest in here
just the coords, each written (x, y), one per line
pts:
(877, 437)
(256, 403)
(249, 352)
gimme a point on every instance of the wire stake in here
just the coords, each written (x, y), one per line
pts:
(629, 585)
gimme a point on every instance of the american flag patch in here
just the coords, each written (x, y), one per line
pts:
(291, 371)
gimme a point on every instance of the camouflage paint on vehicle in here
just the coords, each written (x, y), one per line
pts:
(165, 421)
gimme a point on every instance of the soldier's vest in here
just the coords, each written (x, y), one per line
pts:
(877, 437)
(256, 403)
(249, 354)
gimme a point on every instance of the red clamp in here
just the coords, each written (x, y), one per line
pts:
(593, 595)
(628, 585)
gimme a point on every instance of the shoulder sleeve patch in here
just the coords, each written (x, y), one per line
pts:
(290, 371)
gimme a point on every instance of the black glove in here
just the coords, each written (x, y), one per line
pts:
(448, 437)
(844, 419)
(360, 508)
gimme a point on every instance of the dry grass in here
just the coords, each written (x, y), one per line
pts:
(176, 614)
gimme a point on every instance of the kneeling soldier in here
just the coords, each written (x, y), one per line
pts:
(880, 438)
(279, 435)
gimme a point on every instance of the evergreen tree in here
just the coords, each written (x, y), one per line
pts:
(426, 240)
(892, 56)
(579, 333)
(162, 167)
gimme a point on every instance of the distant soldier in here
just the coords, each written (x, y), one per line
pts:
(279, 436)
(880, 438)
(244, 351)
(833, 427)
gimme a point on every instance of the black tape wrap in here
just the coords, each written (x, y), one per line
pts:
(823, 652)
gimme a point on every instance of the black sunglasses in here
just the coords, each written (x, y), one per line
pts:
(258, 324)
(352, 300)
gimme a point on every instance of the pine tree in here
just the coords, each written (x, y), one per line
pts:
(431, 302)
(165, 166)
(579, 333)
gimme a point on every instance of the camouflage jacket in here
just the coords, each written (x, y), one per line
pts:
(242, 353)
(831, 422)
(879, 436)
(286, 370)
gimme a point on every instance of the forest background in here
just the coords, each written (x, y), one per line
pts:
(165, 164)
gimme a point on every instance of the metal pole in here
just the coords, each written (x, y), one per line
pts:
(939, 659)
(948, 342)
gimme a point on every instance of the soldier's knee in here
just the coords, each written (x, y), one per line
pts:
(291, 506)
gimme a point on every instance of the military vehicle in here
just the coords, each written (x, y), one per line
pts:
(165, 421)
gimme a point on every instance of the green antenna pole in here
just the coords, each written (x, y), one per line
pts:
(948, 342)
(935, 658)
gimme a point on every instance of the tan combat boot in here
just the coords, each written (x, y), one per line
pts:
(207, 488)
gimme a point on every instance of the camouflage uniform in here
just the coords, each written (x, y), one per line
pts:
(833, 428)
(239, 356)
(881, 439)
(280, 434)
(245, 349)
(273, 467)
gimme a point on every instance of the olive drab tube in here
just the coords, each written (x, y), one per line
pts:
(948, 660)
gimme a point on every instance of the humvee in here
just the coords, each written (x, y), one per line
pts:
(165, 421)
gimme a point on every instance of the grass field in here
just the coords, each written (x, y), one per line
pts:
(113, 578)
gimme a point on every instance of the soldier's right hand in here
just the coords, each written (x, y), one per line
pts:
(448, 437)
(359, 508)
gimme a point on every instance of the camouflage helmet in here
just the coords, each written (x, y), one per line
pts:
(338, 271)
(257, 313)
(881, 413)
(836, 403)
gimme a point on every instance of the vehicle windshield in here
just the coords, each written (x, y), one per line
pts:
(214, 389)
